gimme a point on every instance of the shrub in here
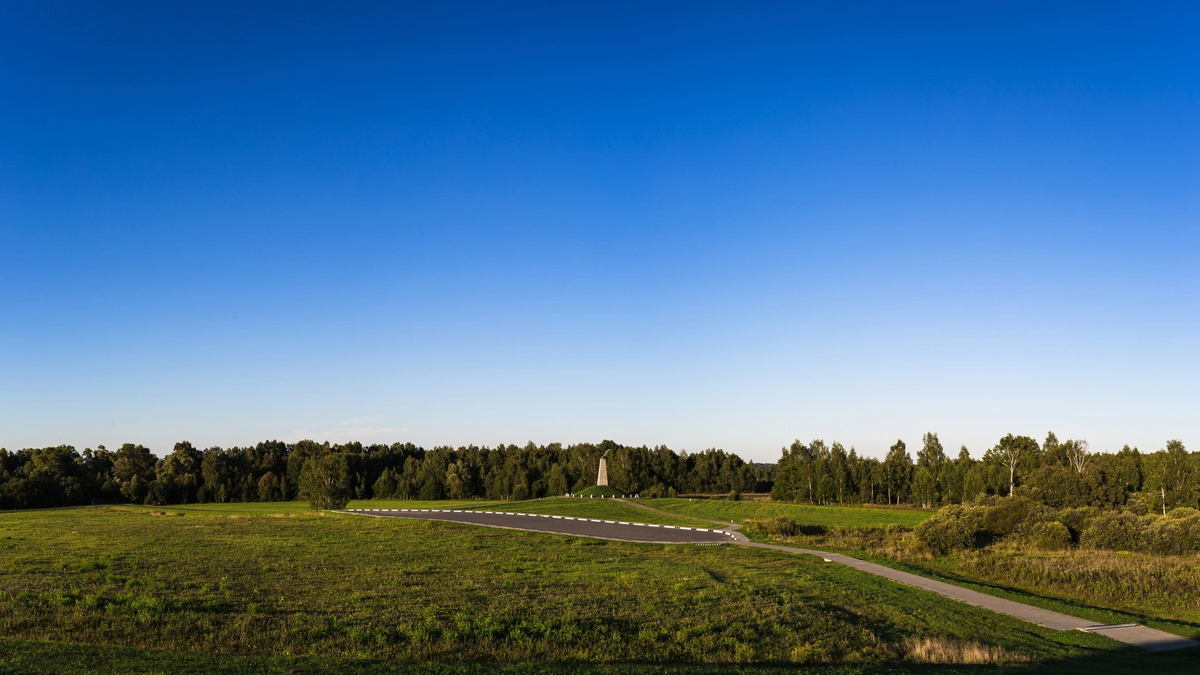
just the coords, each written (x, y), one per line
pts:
(1183, 512)
(1176, 533)
(782, 526)
(953, 528)
(735, 496)
(1009, 515)
(1113, 530)
(1050, 536)
(1077, 520)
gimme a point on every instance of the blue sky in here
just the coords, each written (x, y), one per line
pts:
(693, 224)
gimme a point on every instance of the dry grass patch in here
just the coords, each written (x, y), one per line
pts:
(958, 652)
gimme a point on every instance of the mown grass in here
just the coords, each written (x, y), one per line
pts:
(606, 509)
(420, 504)
(257, 582)
(805, 514)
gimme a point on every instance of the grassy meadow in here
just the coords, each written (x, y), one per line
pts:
(115, 589)
(1116, 587)
(806, 514)
(1104, 586)
(606, 509)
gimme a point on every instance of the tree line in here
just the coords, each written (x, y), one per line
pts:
(276, 471)
(1058, 474)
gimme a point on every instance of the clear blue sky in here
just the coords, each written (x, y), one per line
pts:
(695, 224)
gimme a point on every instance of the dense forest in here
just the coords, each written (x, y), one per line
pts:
(272, 471)
(1055, 473)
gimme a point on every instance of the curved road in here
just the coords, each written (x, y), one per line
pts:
(1132, 634)
(578, 527)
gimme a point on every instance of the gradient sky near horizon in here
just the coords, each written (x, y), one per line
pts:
(685, 223)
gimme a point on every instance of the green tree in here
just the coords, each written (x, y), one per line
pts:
(932, 458)
(924, 487)
(1077, 455)
(456, 487)
(177, 476)
(796, 478)
(1173, 476)
(1013, 452)
(556, 481)
(133, 469)
(325, 482)
(897, 471)
(218, 475)
(839, 471)
(1054, 452)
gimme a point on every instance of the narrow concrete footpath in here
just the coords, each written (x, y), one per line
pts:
(1130, 633)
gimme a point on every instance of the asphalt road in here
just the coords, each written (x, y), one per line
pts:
(579, 527)
(1131, 634)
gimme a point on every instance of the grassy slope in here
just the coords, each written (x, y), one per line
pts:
(805, 514)
(1105, 587)
(601, 491)
(412, 504)
(607, 509)
(240, 580)
(1105, 601)
(1166, 587)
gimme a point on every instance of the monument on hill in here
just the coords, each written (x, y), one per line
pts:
(602, 475)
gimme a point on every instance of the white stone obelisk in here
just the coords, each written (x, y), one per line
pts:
(602, 475)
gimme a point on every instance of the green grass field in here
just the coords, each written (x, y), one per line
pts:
(131, 589)
(805, 514)
(1107, 587)
(607, 509)
(598, 491)
(1103, 586)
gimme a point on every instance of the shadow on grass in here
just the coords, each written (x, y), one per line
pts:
(67, 659)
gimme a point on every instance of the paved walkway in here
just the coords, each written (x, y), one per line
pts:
(616, 530)
(1130, 634)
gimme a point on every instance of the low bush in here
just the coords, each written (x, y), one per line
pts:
(1113, 530)
(1049, 536)
(1009, 515)
(780, 526)
(1026, 522)
(1077, 519)
(784, 526)
(1176, 533)
(953, 528)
